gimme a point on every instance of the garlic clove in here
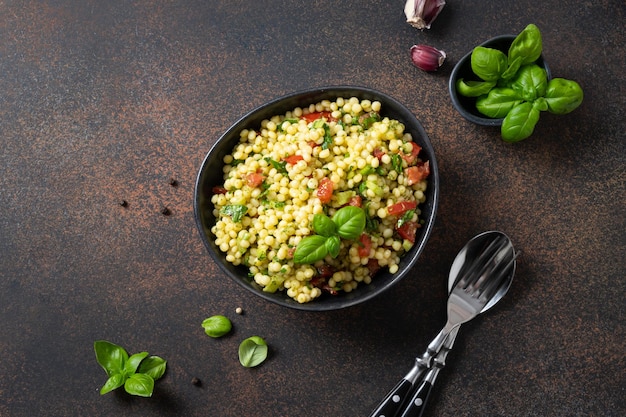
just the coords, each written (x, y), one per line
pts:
(427, 58)
(422, 13)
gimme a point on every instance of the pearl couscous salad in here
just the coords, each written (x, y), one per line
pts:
(319, 199)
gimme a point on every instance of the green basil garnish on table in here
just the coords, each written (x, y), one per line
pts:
(217, 326)
(253, 351)
(135, 373)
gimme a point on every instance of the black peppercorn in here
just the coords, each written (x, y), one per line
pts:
(195, 381)
(165, 211)
(124, 203)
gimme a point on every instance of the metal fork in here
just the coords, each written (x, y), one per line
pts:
(481, 282)
(415, 406)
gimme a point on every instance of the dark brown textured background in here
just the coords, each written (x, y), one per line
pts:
(104, 101)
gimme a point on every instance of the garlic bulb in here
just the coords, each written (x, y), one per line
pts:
(421, 13)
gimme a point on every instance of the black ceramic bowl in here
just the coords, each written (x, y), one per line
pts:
(463, 69)
(210, 175)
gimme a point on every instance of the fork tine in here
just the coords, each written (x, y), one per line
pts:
(467, 275)
(477, 268)
(502, 272)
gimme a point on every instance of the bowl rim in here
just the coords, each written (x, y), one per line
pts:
(280, 105)
(455, 97)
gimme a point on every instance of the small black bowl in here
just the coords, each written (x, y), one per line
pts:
(463, 69)
(211, 175)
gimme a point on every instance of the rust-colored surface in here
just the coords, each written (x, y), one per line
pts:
(104, 101)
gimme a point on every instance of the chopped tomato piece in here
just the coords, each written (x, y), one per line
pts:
(355, 201)
(311, 117)
(254, 179)
(401, 207)
(378, 153)
(325, 190)
(408, 230)
(219, 190)
(365, 244)
(411, 157)
(417, 173)
(293, 159)
(373, 266)
(325, 271)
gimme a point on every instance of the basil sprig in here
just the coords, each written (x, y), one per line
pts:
(513, 87)
(347, 223)
(136, 373)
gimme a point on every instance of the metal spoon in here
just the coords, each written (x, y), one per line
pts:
(416, 405)
(489, 257)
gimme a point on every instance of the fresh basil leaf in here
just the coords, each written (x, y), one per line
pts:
(530, 82)
(280, 166)
(252, 351)
(474, 88)
(488, 63)
(110, 356)
(498, 102)
(217, 326)
(154, 366)
(350, 222)
(514, 66)
(520, 122)
(527, 45)
(115, 381)
(235, 211)
(323, 225)
(333, 244)
(133, 362)
(540, 104)
(563, 96)
(310, 250)
(141, 385)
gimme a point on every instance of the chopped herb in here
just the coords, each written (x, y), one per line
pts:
(406, 217)
(266, 188)
(368, 120)
(396, 163)
(280, 166)
(371, 224)
(235, 211)
(328, 139)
